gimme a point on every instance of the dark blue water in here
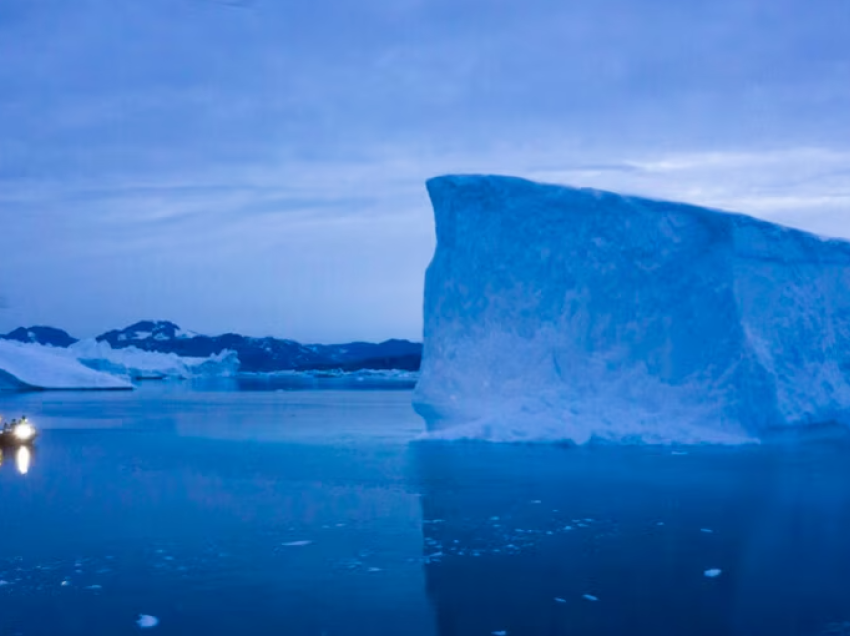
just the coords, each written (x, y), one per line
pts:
(313, 512)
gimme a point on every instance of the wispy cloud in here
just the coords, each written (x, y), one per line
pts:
(260, 166)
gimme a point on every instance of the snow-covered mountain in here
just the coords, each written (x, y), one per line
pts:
(145, 330)
(255, 354)
(390, 354)
(41, 335)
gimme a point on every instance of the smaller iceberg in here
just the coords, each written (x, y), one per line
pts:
(335, 379)
(137, 364)
(89, 364)
(32, 366)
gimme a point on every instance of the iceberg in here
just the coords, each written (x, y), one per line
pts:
(557, 313)
(33, 366)
(89, 364)
(147, 365)
(334, 379)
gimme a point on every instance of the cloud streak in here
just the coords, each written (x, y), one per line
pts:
(260, 166)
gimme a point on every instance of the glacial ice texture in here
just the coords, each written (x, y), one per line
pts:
(34, 366)
(555, 313)
(95, 365)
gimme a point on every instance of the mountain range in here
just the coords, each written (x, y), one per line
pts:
(255, 354)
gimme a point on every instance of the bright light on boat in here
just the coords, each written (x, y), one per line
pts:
(24, 432)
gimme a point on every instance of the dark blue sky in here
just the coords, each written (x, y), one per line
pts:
(258, 166)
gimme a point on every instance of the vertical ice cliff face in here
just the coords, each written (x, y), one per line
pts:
(568, 314)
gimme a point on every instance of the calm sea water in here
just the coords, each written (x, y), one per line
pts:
(260, 511)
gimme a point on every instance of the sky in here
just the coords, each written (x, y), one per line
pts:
(258, 166)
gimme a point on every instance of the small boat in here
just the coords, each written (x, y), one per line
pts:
(17, 433)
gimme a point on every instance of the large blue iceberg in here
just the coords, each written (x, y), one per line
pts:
(555, 313)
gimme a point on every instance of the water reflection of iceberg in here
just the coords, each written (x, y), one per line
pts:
(518, 537)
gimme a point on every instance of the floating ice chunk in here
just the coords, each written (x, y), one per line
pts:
(712, 573)
(296, 544)
(137, 363)
(2, 583)
(28, 366)
(560, 600)
(590, 597)
(374, 570)
(500, 633)
(706, 530)
(65, 583)
(94, 587)
(146, 620)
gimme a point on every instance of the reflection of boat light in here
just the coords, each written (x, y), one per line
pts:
(22, 459)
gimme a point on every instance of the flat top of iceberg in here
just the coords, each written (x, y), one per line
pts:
(478, 191)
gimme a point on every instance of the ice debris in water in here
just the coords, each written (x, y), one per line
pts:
(94, 587)
(560, 600)
(590, 597)
(146, 620)
(295, 544)
(707, 530)
(500, 633)
(836, 629)
(712, 573)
